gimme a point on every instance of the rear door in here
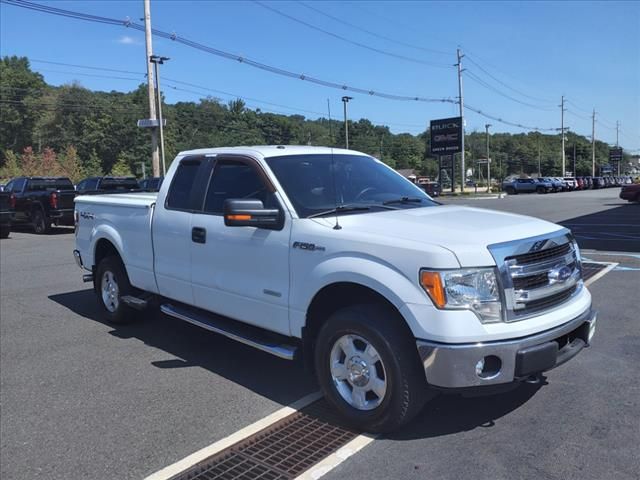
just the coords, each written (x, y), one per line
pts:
(171, 229)
(241, 272)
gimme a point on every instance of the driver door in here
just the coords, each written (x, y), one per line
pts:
(241, 272)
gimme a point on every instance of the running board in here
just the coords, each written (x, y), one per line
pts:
(243, 333)
(134, 302)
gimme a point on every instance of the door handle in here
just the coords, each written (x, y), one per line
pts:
(198, 235)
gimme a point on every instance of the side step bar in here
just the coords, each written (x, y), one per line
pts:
(247, 334)
(135, 302)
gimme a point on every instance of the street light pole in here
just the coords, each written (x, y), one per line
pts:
(486, 126)
(345, 100)
(155, 59)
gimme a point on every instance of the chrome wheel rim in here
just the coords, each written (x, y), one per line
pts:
(110, 292)
(357, 372)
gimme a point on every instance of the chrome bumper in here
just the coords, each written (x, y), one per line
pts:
(504, 361)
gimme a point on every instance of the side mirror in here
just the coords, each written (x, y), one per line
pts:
(251, 213)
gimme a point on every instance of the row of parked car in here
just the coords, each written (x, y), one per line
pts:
(561, 184)
(41, 202)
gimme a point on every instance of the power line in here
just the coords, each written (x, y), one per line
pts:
(230, 56)
(347, 40)
(478, 80)
(375, 34)
(253, 63)
(503, 83)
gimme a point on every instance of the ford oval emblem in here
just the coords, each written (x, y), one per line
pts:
(559, 275)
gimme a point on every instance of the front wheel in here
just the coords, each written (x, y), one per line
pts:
(5, 231)
(112, 283)
(368, 367)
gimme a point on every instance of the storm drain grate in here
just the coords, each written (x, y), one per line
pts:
(590, 269)
(281, 451)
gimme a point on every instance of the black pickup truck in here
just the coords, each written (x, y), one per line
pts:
(7, 205)
(99, 185)
(42, 201)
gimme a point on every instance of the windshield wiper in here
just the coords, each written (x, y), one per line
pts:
(341, 208)
(404, 200)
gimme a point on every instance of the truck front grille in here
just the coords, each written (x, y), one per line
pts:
(537, 274)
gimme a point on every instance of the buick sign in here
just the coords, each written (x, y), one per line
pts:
(446, 136)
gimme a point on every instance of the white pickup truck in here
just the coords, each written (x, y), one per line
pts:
(331, 255)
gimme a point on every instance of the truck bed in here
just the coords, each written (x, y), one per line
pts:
(125, 221)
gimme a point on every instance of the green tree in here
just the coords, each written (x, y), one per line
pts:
(121, 168)
(11, 167)
(92, 167)
(21, 90)
(70, 165)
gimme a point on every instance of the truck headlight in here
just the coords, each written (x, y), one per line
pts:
(473, 289)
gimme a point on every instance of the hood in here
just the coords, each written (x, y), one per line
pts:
(465, 231)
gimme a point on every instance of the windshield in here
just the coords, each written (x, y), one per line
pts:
(119, 184)
(320, 183)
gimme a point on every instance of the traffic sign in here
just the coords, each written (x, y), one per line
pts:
(151, 123)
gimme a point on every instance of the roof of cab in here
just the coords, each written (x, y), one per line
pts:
(272, 151)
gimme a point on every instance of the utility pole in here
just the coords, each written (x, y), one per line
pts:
(155, 59)
(617, 145)
(486, 127)
(461, 103)
(155, 158)
(574, 158)
(381, 140)
(539, 169)
(345, 100)
(562, 110)
(593, 143)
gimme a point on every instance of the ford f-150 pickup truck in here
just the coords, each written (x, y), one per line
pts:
(331, 255)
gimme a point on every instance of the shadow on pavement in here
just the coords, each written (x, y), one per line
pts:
(448, 413)
(617, 229)
(54, 230)
(279, 380)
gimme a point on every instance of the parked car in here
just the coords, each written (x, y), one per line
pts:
(387, 293)
(42, 201)
(523, 185)
(547, 185)
(7, 211)
(598, 182)
(558, 186)
(571, 183)
(588, 182)
(150, 184)
(432, 189)
(96, 185)
(630, 192)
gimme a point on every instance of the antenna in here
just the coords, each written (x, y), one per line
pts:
(330, 128)
(333, 171)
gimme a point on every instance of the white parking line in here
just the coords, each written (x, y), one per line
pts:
(601, 273)
(206, 452)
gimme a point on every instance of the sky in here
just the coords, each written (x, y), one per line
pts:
(533, 52)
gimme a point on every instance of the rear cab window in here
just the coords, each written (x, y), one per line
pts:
(182, 191)
(49, 184)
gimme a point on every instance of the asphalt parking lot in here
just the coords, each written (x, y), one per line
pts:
(84, 399)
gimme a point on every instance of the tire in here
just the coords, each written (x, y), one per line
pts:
(111, 284)
(540, 190)
(40, 224)
(5, 231)
(394, 385)
(511, 191)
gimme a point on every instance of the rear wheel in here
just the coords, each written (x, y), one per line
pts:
(541, 190)
(112, 283)
(511, 191)
(368, 367)
(40, 223)
(5, 230)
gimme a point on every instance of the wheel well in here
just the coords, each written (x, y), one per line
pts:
(104, 248)
(330, 299)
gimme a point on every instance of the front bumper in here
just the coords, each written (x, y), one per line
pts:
(504, 361)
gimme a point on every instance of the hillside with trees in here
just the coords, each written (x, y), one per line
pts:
(70, 130)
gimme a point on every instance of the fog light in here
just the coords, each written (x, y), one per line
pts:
(488, 367)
